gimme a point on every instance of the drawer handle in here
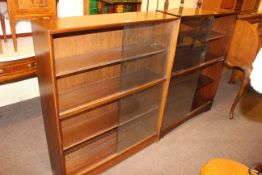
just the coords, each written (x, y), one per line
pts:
(30, 65)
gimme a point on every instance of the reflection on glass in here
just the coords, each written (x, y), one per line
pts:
(192, 42)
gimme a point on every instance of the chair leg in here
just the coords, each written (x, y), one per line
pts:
(3, 29)
(241, 91)
(235, 76)
(13, 31)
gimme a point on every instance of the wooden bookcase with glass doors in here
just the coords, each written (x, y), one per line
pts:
(103, 83)
(202, 45)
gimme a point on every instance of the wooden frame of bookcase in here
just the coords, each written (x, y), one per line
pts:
(51, 71)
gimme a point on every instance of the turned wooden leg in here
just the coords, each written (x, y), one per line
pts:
(232, 77)
(241, 91)
(13, 31)
(166, 5)
(3, 28)
(1, 48)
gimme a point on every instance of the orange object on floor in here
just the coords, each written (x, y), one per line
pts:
(224, 167)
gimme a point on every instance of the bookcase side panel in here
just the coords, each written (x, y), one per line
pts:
(45, 71)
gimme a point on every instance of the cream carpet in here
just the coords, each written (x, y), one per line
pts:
(182, 152)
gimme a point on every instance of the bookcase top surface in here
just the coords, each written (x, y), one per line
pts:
(91, 22)
(194, 12)
(245, 15)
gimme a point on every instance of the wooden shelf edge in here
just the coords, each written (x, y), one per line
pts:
(78, 143)
(108, 63)
(82, 69)
(82, 141)
(215, 36)
(87, 106)
(138, 116)
(198, 67)
(119, 157)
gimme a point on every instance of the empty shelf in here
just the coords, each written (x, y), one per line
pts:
(78, 63)
(105, 90)
(91, 152)
(88, 125)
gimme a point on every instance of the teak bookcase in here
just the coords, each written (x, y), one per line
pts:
(103, 83)
(202, 45)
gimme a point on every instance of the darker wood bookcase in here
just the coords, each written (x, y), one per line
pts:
(202, 45)
(103, 84)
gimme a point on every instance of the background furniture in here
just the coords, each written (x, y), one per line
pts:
(224, 167)
(103, 83)
(90, 7)
(203, 42)
(28, 10)
(17, 69)
(239, 5)
(111, 6)
(254, 18)
(242, 52)
(3, 26)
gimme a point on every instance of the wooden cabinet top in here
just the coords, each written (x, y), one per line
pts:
(80, 23)
(190, 12)
(257, 14)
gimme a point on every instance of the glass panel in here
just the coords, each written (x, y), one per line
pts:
(91, 152)
(192, 42)
(88, 86)
(89, 124)
(144, 70)
(180, 98)
(77, 52)
(137, 117)
(221, 26)
(106, 68)
(147, 40)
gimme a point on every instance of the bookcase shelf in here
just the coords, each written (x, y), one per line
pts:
(79, 63)
(214, 36)
(102, 85)
(91, 152)
(92, 123)
(210, 59)
(100, 90)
